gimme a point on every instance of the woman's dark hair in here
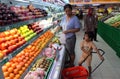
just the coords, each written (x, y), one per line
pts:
(68, 6)
(90, 35)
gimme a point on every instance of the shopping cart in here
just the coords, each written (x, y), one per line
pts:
(79, 72)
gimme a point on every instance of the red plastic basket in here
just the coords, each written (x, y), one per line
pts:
(78, 72)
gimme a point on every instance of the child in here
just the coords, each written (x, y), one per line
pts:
(87, 46)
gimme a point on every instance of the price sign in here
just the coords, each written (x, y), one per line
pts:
(9, 56)
(31, 21)
(7, 28)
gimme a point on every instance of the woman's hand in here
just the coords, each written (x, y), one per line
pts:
(65, 32)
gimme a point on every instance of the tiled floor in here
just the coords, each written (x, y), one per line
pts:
(110, 69)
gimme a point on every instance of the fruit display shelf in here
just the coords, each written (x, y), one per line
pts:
(14, 53)
(18, 24)
(34, 61)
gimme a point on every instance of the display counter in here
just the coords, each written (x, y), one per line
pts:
(111, 35)
(58, 64)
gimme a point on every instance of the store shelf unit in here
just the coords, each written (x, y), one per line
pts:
(14, 53)
(19, 24)
(110, 35)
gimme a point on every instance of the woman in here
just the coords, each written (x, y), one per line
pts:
(90, 22)
(87, 46)
(70, 24)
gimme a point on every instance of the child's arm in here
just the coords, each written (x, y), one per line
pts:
(95, 48)
(82, 47)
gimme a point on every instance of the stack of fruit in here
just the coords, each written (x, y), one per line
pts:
(17, 65)
(9, 15)
(35, 28)
(113, 21)
(9, 41)
(6, 15)
(25, 32)
(26, 13)
(41, 67)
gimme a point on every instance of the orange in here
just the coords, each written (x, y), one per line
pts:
(4, 68)
(11, 75)
(10, 69)
(15, 71)
(8, 64)
(6, 74)
(7, 78)
(15, 60)
(21, 72)
(17, 76)
(13, 65)
(19, 67)
(26, 65)
(23, 68)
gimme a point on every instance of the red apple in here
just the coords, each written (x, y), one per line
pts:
(23, 41)
(20, 43)
(2, 35)
(11, 48)
(7, 38)
(20, 38)
(15, 36)
(7, 33)
(16, 40)
(5, 52)
(2, 40)
(11, 37)
(17, 44)
(3, 46)
(13, 42)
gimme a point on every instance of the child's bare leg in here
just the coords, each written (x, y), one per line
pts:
(88, 63)
(81, 61)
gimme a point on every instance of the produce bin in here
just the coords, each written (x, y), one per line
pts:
(111, 35)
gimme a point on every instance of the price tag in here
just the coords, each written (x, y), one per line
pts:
(9, 57)
(31, 21)
(4, 61)
(7, 28)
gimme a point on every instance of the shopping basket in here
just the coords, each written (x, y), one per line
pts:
(78, 72)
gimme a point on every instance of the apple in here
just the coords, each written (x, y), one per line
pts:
(5, 52)
(7, 38)
(11, 48)
(11, 37)
(16, 40)
(3, 46)
(13, 42)
(2, 35)
(15, 36)
(7, 33)
(12, 32)
(20, 43)
(17, 44)
(2, 40)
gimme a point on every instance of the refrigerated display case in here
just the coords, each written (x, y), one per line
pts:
(6, 58)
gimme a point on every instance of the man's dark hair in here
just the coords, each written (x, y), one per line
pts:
(68, 6)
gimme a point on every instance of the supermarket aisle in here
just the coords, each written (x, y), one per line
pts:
(110, 69)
